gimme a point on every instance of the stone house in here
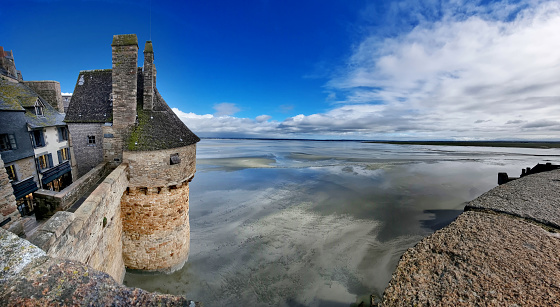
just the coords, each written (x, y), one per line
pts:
(34, 142)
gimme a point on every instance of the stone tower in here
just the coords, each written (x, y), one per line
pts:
(160, 152)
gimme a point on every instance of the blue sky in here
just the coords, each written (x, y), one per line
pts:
(318, 69)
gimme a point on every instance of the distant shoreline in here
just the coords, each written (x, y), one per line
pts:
(520, 144)
(512, 144)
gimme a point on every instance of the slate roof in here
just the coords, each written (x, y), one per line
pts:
(91, 100)
(157, 129)
(16, 96)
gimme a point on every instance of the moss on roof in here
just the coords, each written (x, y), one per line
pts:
(125, 40)
(15, 96)
(159, 128)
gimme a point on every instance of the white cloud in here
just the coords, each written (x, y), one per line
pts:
(226, 109)
(263, 118)
(477, 72)
(458, 72)
(210, 125)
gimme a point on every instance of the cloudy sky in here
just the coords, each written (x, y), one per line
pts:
(393, 70)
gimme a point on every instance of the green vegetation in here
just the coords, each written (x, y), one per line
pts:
(520, 144)
(149, 47)
(125, 40)
(135, 137)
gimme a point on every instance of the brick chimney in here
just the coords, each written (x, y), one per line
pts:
(149, 76)
(125, 63)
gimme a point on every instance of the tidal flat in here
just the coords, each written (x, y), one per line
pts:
(311, 223)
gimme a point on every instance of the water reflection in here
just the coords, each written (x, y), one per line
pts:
(301, 223)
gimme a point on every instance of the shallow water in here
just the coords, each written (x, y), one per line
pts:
(292, 223)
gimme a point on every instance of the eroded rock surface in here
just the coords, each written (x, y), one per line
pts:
(504, 252)
(30, 278)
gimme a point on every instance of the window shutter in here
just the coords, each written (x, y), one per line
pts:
(42, 138)
(32, 139)
(50, 160)
(59, 132)
(68, 153)
(59, 156)
(12, 141)
(38, 164)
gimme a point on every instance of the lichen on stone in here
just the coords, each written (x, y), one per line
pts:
(125, 40)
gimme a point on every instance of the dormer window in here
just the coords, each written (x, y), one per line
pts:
(39, 108)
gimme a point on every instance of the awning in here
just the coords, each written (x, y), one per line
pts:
(24, 187)
(55, 172)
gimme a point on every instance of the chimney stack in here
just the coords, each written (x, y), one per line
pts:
(149, 76)
(125, 77)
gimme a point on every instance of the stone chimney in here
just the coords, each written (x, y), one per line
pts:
(149, 76)
(125, 63)
(124, 90)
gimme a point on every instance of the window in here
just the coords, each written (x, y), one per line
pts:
(37, 138)
(7, 142)
(174, 159)
(45, 161)
(63, 155)
(91, 140)
(25, 205)
(11, 170)
(62, 134)
(38, 108)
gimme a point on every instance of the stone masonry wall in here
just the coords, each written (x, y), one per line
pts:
(91, 235)
(154, 168)
(156, 230)
(47, 202)
(50, 91)
(86, 155)
(29, 277)
(8, 208)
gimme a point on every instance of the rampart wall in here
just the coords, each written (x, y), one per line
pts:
(49, 202)
(92, 234)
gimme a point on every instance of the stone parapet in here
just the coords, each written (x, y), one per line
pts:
(49, 202)
(29, 277)
(503, 251)
(92, 234)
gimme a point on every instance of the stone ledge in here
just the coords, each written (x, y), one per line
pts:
(504, 253)
(30, 278)
(534, 197)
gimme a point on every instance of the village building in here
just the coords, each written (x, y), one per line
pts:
(34, 142)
